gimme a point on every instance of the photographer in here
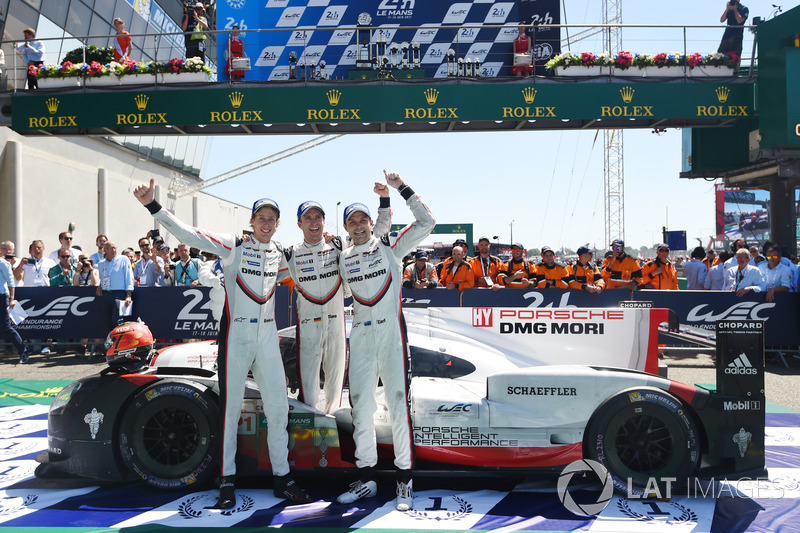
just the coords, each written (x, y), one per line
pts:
(193, 26)
(660, 273)
(86, 275)
(735, 15)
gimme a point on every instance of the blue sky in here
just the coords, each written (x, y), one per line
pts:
(545, 187)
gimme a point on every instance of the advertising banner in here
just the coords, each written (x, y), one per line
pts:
(182, 312)
(326, 30)
(625, 338)
(169, 312)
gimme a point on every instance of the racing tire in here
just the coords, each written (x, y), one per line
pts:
(646, 439)
(168, 435)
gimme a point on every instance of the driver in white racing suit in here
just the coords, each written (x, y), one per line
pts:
(248, 337)
(373, 270)
(314, 266)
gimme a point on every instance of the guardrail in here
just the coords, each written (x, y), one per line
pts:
(393, 59)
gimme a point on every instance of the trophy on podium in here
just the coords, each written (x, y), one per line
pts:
(363, 49)
(451, 62)
(293, 65)
(394, 55)
(477, 67)
(404, 54)
(415, 54)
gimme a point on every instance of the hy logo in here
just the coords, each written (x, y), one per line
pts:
(529, 94)
(431, 95)
(722, 94)
(579, 467)
(236, 99)
(52, 105)
(141, 101)
(627, 94)
(333, 97)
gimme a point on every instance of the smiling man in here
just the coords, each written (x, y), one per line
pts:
(314, 266)
(248, 337)
(373, 270)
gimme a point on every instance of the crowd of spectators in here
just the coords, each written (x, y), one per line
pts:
(771, 271)
(113, 274)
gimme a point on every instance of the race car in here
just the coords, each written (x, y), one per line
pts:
(475, 405)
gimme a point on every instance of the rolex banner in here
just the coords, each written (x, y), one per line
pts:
(325, 30)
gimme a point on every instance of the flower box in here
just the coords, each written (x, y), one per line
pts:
(58, 83)
(138, 79)
(651, 72)
(183, 77)
(575, 71)
(703, 71)
(101, 81)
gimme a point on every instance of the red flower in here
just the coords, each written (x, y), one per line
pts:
(624, 59)
(587, 59)
(694, 59)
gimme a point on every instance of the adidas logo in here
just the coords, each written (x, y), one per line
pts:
(740, 365)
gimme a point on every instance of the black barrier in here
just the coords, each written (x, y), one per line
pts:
(180, 312)
(169, 312)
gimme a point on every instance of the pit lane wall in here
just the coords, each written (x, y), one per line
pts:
(183, 313)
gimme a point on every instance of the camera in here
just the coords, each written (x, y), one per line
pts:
(155, 233)
(732, 3)
(172, 267)
(32, 260)
(9, 257)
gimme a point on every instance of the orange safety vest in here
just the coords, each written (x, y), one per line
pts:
(555, 277)
(495, 266)
(585, 275)
(462, 276)
(625, 269)
(667, 280)
(511, 267)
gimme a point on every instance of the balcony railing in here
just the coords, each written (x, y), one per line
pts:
(397, 60)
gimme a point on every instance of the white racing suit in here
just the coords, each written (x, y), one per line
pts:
(374, 274)
(320, 315)
(248, 337)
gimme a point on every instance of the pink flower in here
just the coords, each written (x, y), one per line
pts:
(694, 59)
(624, 59)
(587, 58)
(66, 65)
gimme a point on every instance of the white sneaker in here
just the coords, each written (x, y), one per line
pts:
(358, 490)
(405, 496)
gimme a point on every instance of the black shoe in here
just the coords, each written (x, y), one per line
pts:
(227, 494)
(286, 487)
(24, 356)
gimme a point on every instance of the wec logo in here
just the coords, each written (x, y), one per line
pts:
(60, 306)
(739, 311)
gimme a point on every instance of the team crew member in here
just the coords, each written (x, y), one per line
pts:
(486, 267)
(660, 273)
(441, 267)
(420, 274)
(620, 270)
(518, 272)
(584, 275)
(314, 267)
(373, 269)
(457, 274)
(549, 274)
(248, 337)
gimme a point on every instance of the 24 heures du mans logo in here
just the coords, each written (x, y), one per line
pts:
(53, 119)
(142, 117)
(529, 110)
(334, 112)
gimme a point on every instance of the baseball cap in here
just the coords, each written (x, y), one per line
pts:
(199, 5)
(585, 250)
(163, 248)
(518, 245)
(265, 202)
(305, 206)
(355, 208)
(662, 248)
(484, 238)
(422, 254)
(618, 242)
(459, 241)
(546, 249)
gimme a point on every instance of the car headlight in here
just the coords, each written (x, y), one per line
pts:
(63, 397)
